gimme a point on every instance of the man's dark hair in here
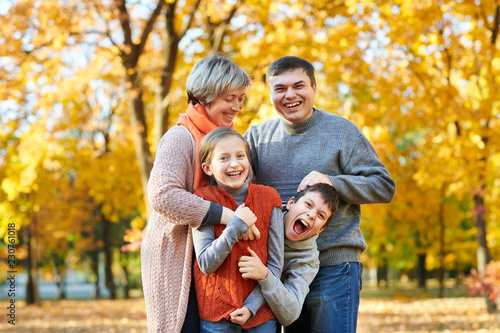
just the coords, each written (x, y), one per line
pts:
(328, 193)
(290, 63)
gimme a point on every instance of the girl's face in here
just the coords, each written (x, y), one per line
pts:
(223, 110)
(229, 164)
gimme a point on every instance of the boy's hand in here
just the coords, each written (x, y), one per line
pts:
(251, 267)
(240, 316)
(314, 177)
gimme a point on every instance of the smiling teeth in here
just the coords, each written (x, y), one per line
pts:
(234, 174)
(292, 105)
(304, 223)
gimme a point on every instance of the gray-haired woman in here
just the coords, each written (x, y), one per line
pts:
(216, 88)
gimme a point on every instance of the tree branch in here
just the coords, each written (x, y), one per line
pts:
(187, 24)
(148, 29)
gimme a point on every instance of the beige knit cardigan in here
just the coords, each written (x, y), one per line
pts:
(167, 248)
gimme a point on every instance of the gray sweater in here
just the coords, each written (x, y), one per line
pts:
(283, 154)
(286, 296)
(211, 252)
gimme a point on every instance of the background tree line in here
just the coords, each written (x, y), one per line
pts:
(89, 87)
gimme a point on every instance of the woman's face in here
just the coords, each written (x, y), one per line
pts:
(223, 109)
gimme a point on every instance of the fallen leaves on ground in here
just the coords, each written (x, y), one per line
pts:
(375, 315)
(426, 315)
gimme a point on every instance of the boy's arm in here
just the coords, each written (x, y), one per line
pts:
(275, 244)
(210, 251)
(287, 298)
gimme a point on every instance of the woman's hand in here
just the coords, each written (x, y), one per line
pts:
(251, 267)
(251, 234)
(244, 213)
(249, 218)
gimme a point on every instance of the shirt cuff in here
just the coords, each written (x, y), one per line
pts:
(213, 216)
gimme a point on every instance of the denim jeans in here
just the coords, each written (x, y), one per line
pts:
(225, 326)
(333, 301)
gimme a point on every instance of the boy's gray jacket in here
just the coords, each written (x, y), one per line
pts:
(286, 296)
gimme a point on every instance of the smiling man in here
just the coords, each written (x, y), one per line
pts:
(306, 146)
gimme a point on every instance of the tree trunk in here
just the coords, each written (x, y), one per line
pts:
(94, 264)
(108, 253)
(421, 271)
(32, 296)
(59, 266)
(483, 252)
(442, 228)
(124, 265)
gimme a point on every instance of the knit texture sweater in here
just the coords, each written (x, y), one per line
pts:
(224, 291)
(167, 248)
(283, 154)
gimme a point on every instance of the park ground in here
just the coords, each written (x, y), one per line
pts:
(399, 311)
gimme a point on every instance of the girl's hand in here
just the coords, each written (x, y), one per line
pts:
(251, 267)
(240, 316)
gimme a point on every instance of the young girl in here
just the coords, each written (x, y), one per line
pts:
(220, 288)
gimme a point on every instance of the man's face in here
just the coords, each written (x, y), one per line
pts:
(306, 217)
(292, 95)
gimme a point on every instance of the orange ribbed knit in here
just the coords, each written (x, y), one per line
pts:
(224, 291)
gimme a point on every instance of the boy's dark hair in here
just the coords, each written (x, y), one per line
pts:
(289, 63)
(328, 193)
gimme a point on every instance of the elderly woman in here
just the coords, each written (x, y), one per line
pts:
(215, 88)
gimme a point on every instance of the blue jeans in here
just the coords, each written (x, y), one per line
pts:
(333, 301)
(225, 326)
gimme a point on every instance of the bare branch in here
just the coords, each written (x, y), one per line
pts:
(149, 28)
(187, 24)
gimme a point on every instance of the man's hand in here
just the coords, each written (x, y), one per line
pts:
(240, 316)
(251, 267)
(313, 178)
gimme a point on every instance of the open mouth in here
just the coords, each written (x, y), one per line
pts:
(300, 226)
(292, 105)
(229, 116)
(234, 174)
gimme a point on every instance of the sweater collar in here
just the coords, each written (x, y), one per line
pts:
(305, 244)
(302, 126)
(239, 194)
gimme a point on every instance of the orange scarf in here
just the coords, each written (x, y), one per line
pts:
(196, 121)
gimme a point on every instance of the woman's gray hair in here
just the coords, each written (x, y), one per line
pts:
(213, 77)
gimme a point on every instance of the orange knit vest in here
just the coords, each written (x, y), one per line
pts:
(224, 291)
(196, 121)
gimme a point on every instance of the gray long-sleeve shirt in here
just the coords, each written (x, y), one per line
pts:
(211, 252)
(283, 154)
(286, 296)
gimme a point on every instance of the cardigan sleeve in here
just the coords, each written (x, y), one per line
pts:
(170, 185)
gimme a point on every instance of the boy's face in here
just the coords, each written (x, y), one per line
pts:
(306, 217)
(293, 95)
